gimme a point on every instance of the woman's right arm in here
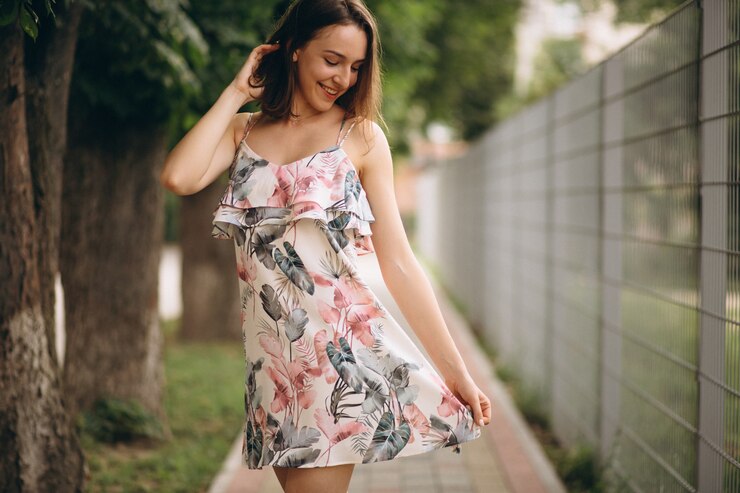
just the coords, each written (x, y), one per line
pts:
(208, 148)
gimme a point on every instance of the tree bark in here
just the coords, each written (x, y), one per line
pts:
(40, 450)
(49, 62)
(112, 225)
(210, 290)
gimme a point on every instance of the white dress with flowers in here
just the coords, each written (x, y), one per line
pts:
(331, 378)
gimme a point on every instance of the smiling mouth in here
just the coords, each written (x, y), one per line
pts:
(329, 91)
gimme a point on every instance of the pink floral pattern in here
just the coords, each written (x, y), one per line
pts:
(331, 378)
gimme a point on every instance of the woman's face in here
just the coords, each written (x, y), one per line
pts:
(328, 66)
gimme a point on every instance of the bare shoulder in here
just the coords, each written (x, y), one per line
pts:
(238, 124)
(367, 144)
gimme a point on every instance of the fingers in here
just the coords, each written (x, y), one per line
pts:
(266, 48)
(485, 404)
(259, 51)
(475, 400)
(481, 408)
(475, 404)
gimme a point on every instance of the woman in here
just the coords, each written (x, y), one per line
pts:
(332, 380)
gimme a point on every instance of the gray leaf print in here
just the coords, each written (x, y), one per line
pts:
(408, 394)
(438, 424)
(242, 173)
(339, 223)
(376, 395)
(295, 325)
(270, 302)
(289, 437)
(262, 239)
(256, 215)
(262, 248)
(387, 440)
(253, 394)
(296, 458)
(254, 445)
(463, 431)
(400, 375)
(352, 186)
(335, 231)
(344, 362)
(293, 267)
(440, 433)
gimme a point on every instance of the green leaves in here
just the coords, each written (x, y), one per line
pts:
(387, 440)
(8, 12)
(640, 10)
(474, 64)
(22, 10)
(29, 21)
(140, 61)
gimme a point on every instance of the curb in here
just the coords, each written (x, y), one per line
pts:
(230, 466)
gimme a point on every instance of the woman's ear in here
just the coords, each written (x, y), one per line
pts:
(295, 55)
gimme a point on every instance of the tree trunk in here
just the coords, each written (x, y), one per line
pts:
(210, 291)
(40, 450)
(112, 224)
(49, 62)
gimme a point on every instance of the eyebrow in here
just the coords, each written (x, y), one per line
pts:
(341, 56)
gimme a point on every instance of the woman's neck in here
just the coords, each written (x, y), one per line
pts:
(301, 113)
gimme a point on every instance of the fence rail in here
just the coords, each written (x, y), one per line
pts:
(595, 238)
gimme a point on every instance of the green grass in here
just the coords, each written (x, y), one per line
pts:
(578, 467)
(204, 404)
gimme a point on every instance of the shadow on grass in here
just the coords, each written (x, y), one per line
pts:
(204, 403)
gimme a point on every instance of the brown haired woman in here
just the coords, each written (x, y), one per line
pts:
(332, 380)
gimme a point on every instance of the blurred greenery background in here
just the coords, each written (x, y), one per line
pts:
(166, 61)
(444, 61)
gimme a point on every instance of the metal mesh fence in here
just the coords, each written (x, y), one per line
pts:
(595, 239)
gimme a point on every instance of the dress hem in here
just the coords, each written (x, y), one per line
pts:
(456, 449)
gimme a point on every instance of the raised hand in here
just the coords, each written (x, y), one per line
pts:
(241, 81)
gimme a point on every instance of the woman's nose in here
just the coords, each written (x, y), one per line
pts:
(343, 77)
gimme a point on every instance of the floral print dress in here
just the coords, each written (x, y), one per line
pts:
(331, 378)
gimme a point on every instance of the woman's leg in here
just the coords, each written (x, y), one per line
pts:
(282, 474)
(332, 479)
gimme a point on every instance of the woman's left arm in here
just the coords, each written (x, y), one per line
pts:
(406, 280)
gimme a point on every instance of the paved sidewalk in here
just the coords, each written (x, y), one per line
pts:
(505, 459)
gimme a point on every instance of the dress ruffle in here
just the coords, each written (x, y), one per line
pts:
(293, 192)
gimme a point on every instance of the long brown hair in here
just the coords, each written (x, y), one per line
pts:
(300, 23)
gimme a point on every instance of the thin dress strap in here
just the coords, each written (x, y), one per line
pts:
(340, 139)
(247, 127)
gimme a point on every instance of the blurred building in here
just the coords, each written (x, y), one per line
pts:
(541, 20)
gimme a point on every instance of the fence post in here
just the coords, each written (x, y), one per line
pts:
(714, 103)
(612, 165)
(549, 264)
